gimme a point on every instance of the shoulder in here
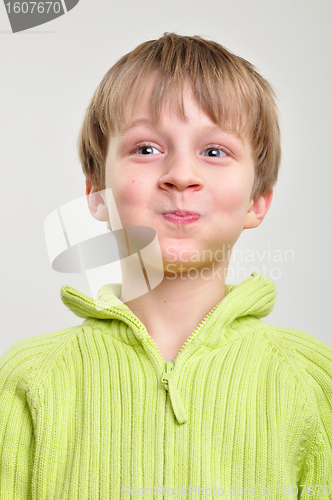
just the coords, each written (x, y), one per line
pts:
(308, 354)
(307, 358)
(311, 361)
(24, 363)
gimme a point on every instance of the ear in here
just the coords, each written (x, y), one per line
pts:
(257, 210)
(96, 202)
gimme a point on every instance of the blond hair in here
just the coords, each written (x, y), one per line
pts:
(227, 88)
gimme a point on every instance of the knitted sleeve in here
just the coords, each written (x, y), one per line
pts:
(315, 480)
(16, 426)
(312, 359)
(20, 370)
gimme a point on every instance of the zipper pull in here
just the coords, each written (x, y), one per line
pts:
(170, 386)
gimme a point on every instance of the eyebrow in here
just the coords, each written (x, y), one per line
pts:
(145, 121)
(135, 123)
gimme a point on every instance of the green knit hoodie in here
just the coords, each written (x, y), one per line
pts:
(95, 412)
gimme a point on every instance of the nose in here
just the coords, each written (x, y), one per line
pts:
(181, 172)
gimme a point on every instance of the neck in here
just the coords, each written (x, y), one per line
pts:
(172, 310)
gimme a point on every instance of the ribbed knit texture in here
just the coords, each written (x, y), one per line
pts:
(93, 411)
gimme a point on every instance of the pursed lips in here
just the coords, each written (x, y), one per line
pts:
(181, 216)
(181, 213)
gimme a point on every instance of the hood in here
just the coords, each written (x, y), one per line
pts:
(253, 297)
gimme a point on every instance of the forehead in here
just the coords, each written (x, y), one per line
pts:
(182, 106)
(144, 101)
(145, 108)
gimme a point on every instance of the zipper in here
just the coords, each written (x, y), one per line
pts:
(170, 386)
(196, 330)
(167, 376)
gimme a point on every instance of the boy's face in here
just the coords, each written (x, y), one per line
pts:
(176, 165)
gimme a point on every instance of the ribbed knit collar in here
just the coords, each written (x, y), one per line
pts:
(254, 297)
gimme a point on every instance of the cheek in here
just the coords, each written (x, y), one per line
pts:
(129, 193)
(132, 191)
(233, 198)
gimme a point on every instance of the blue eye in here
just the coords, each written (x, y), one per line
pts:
(214, 155)
(147, 150)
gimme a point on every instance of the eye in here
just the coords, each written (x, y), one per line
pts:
(145, 149)
(217, 152)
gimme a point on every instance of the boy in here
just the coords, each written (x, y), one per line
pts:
(180, 389)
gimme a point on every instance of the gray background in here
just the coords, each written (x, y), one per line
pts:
(48, 75)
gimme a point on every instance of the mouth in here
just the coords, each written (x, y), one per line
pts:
(181, 213)
(181, 216)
